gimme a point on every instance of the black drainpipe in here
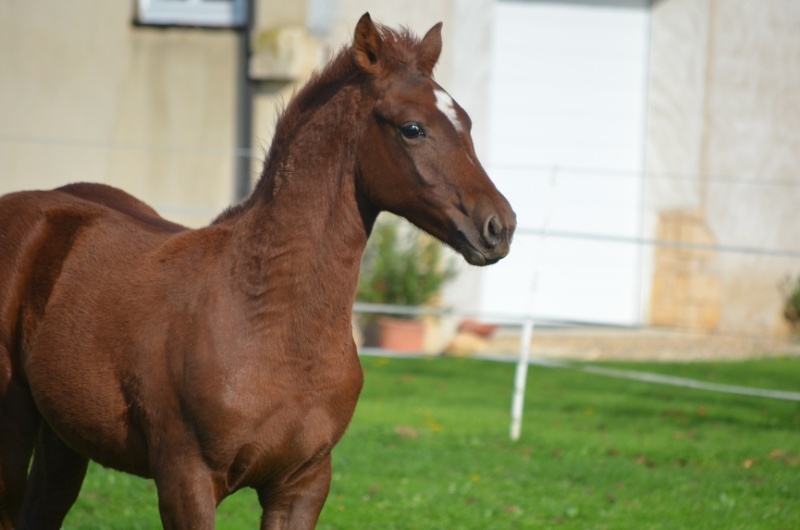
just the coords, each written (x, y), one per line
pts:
(244, 110)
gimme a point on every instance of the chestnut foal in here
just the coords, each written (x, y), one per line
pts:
(222, 358)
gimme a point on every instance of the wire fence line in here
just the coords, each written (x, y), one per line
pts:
(543, 169)
(520, 321)
(646, 377)
(515, 320)
(732, 249)
(114, 146)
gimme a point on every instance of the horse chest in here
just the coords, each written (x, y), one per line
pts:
(276, 421)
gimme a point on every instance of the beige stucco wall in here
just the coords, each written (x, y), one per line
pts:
(87, 96)
(724, 143)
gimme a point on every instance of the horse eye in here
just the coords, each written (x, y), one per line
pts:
(412, 131)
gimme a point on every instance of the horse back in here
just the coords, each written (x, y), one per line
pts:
(122, 202)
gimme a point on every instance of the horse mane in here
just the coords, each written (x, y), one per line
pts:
(399, 49)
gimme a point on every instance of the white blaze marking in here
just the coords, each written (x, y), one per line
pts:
(446, 104)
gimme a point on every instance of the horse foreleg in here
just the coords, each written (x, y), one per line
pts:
(299, 507)
(19, 424)
(186, 493)
(54, 482)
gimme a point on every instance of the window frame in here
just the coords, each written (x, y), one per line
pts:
(200, 13)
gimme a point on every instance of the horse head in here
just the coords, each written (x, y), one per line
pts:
(416, 157)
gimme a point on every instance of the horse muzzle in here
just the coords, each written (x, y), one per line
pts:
(487, 242)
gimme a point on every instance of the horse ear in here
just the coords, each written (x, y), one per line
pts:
(367, 45)
(429, 49)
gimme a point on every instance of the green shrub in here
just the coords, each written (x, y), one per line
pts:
(402, 265)
(791, 305)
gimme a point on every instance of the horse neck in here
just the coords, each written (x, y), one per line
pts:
(301, 238)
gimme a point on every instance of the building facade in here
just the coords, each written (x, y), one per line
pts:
(613, 126)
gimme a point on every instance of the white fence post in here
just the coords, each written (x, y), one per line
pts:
(521, 376)
(520, 379)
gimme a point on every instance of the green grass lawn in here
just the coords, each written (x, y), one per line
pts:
(428, 448)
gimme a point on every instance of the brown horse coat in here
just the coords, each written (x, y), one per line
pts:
(222, 357)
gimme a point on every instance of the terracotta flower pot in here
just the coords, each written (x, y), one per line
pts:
(401, 335)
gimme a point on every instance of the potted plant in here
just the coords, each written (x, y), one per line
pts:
(791, 303)
(401, 266)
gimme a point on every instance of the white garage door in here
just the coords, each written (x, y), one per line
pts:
(567, 147)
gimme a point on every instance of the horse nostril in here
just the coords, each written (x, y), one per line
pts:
(492, 231)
